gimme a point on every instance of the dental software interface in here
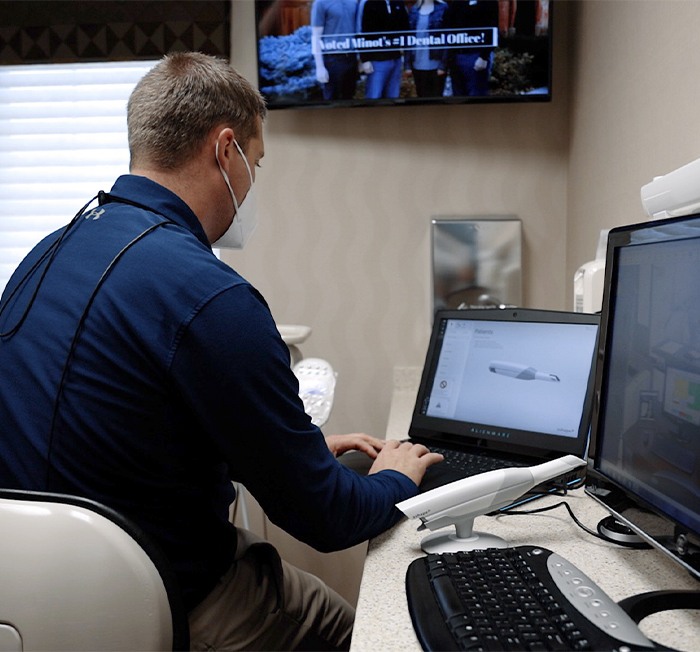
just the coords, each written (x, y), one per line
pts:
(512, 375)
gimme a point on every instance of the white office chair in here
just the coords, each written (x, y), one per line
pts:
(75, 575)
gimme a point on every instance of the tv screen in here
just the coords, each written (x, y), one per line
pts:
(379, 52)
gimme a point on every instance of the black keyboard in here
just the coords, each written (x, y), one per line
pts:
(458, 465)
(470, 463)
(522, 598)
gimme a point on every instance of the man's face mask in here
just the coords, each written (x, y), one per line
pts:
(244, 218)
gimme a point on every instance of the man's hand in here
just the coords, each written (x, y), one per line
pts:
(480, 64)
(410, 459)
(322, 75)
(356, 441)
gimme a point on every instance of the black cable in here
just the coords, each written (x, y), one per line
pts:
(571, 513)
(49, 253)
(558, 489)
(78, 331)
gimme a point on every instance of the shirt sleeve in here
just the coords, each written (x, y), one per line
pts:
(317, 14)
(235, 370)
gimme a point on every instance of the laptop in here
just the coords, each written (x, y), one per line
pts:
(505, 387)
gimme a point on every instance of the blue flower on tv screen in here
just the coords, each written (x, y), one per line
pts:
(286, 65)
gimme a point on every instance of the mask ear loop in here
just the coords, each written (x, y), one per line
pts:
(245, 160)
(50, 253)
(227, 182)
(226, 179)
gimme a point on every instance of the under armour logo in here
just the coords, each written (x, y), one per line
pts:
(95, 214)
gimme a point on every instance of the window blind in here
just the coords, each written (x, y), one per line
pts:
(62, 138)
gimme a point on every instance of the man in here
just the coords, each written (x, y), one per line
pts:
(140, 371)
(471, 66)
(384, 68)
(337, 72)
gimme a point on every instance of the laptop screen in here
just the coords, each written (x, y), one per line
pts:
(514, 377)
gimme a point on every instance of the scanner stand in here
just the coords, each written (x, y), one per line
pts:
(463, 538)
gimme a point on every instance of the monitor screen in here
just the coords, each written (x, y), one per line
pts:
(379, 52)
(645, 459)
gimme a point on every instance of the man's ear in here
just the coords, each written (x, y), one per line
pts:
(224, 143)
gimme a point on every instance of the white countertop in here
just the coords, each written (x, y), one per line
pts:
(383, 623)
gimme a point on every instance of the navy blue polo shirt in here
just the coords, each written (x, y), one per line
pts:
(138, 370)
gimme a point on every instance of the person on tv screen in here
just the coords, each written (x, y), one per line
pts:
(470, 66)
(336, 72)
(383, 66)
(427, 63)
(140, 371)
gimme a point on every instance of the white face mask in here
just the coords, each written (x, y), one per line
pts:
(245, 218)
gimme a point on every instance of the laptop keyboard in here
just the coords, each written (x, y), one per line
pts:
(471, 464)
(522, 598)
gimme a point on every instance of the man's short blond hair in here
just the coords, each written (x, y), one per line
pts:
(180, 100)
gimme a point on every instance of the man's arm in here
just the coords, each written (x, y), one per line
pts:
(234, 368)
(317, 51)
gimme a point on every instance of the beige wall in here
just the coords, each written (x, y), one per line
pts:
(635, 98)
(346, 195)
(345, 202)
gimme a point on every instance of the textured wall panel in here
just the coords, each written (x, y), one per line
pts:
(64, 31)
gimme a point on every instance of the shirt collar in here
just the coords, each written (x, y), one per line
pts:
(160, 200)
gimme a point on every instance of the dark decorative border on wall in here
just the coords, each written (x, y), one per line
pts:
(66, 31)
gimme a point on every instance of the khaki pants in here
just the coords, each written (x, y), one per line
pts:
(264, 603)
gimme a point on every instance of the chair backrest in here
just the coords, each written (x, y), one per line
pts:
(75, 575)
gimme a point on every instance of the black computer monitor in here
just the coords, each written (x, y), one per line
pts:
(644, 461)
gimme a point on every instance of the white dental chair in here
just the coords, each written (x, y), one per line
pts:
(75, 575)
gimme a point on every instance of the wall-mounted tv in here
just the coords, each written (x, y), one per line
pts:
(378, 52)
